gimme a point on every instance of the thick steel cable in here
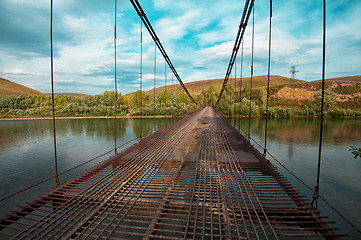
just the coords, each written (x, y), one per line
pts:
(141, 80)
(196, 174)
(221, 188)
(235, 162)
(245, 195)
(268, 78)
(317, 187)
(250, 91)
(241, 30)
(115, 78)
(224, 174)
(155, 38)
(52, 94)
(222, 140)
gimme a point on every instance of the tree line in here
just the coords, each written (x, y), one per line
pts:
(168, 104)
(255, 102)
(136, 104)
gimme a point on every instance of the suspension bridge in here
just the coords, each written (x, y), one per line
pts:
(199, 178)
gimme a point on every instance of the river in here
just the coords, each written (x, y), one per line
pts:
(27, 154)
(295, 142)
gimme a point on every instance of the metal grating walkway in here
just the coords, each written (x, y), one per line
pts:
(197, 179)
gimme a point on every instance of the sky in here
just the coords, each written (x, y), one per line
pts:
(197, 35)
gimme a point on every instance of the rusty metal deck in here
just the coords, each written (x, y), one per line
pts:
(197, 179)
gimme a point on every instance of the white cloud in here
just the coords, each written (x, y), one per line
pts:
(197, 35)
(13, 71)
(177, 27)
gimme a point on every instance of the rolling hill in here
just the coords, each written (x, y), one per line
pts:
(196, 87)
(286, 92)
(9, 88)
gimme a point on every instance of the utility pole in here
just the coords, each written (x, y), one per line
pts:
(293, 71)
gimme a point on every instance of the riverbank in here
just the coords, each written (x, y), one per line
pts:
(85, 117)
(149, 117)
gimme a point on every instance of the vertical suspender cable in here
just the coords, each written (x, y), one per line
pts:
(165, 82)
(115, 78)
(240, 87)
(250, 92)
(141, 79)
(155, 74)
(268, 78)
(172, 96)
(52, 92)
(235, 91)
(317, 188)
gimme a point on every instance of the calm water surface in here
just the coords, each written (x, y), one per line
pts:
(27, 154)
(294, 142)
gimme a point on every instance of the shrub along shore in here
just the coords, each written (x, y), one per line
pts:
(165, 104)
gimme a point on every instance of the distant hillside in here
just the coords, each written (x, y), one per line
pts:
(347, 89)
(287, 92)
(9, 88)
(196, 87)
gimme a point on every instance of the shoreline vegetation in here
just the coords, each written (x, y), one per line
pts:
(171, 104)
(160, 116)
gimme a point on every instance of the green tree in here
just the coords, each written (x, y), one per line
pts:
(138, 98)
(329, 100)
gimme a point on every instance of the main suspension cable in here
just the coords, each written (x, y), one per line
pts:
(155, 38)
(241, 30)
(52, 93)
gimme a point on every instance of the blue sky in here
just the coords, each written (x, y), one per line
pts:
(197, 35)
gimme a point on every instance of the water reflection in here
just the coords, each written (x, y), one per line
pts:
(294, 142)
(27, 153)
(306, 130)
